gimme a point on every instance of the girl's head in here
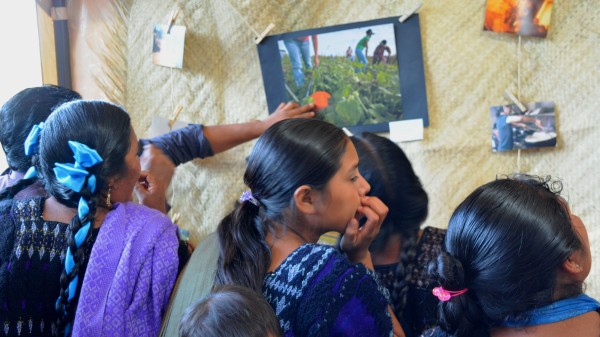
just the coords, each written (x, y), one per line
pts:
(103, 127)
(87, 159)
(515, 246)
(230, 311)
(24, 110)
(304, 175)
(389, 172)
(295, 160)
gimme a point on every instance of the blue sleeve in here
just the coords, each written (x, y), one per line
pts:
(183, 145)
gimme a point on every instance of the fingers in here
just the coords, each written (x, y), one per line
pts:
(150, 192)
(376, 205)
(155, 161)
(142, 180)
(305, 111)
(351, 232)
(375, 211)
(289, 110)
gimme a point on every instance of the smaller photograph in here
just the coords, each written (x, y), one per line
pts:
(513, 129)
(167, 46)
(521, 17)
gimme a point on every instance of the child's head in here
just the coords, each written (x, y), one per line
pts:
(230, 311)
(303, 174)
(515, 246)
(389, 172)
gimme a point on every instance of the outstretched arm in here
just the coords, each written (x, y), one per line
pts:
(224, 137)
(161, 154)
(521, 121)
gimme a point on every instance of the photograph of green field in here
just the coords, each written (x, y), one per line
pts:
(351, 75)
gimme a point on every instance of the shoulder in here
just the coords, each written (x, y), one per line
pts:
(138, 213)
(134, 219)
(22, 208)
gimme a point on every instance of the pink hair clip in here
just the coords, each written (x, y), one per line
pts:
(445, 295)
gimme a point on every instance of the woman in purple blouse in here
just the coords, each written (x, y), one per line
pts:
(86, 261)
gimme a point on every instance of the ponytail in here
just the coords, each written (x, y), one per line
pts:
(245, 256)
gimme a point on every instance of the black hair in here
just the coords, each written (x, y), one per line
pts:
(230, 311)
(388, 171)
(505, 243)
(17, 117)
(24, 110)
(384, 41)
(386, 168)
(289, 154)
(103, 127)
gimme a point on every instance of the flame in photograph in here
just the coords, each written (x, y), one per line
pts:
(522, 17)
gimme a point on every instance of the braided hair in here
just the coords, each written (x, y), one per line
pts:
(388, 170)
(101, 131)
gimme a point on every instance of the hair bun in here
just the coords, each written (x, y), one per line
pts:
(447, 271)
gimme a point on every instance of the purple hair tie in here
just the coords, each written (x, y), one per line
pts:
(247, 196)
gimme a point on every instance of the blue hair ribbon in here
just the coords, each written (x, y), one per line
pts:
(33, 139)
(73, 176)
(31, 145)
(31, 173)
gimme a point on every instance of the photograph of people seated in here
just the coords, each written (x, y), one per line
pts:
(513, 129)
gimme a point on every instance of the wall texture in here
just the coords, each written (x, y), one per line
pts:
(466, 72)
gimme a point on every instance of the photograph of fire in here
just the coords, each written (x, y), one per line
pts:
(521, 17)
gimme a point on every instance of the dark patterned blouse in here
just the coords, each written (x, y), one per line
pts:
(32, 253)
(317, 292)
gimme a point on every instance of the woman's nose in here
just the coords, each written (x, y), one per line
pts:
(364, 187)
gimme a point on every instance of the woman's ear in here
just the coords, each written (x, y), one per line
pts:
(112, 183)
(574, 263)
(304, 198)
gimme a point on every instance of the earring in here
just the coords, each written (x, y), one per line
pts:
(578, 266)
(108, 203)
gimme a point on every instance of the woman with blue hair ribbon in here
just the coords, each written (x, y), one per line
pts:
(86, 261)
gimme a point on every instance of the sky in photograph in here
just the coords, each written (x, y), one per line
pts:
(336, 43)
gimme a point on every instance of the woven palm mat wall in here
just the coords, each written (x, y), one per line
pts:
(466, 72)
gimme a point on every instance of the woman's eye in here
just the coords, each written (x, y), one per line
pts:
(353, 179)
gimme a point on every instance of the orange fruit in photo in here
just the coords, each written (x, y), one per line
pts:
(320, 99)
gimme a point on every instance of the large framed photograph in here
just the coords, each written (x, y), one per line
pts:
(361, 75)
(521, 17)
(513, 129)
